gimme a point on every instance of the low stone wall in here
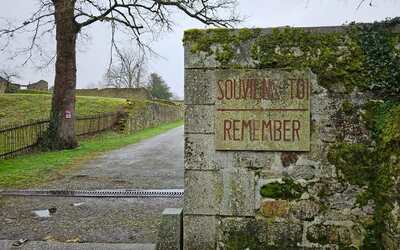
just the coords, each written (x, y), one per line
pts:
(140, 115)
(135, 94)
(342, 193)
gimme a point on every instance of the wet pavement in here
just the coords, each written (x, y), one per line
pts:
(35, 245)
(151, 164)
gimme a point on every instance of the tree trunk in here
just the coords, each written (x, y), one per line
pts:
(61, 133)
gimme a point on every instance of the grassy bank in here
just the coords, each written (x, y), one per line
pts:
(32, 170)
(19, 107)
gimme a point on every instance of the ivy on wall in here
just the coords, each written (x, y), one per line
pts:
(375, 167)
(362, 56)
(366, 56)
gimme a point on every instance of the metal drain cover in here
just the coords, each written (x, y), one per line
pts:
(106, 193)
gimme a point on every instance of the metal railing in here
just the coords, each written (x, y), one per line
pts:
(21, 137)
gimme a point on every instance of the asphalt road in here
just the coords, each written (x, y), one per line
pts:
(153, 163)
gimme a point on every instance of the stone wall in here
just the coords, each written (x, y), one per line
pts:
(135, 94)
(339, 195)
(140, 115)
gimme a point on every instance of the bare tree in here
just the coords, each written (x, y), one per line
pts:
(70, 17)
(129, 71)
(9, 75)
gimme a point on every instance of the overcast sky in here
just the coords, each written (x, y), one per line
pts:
(93, 53)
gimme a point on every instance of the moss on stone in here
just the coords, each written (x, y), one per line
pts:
(242, 235)
(375, 166)
(242, 240)
(347, 107)
(287, 190)
(330, 234)
(366, 56)
(332, 56)
(227, 41)
(225, 54)
(391, 126)
(355, 161)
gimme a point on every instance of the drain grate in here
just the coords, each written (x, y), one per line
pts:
(107, 193)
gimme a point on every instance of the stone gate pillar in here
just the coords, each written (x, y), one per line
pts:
(259, 126)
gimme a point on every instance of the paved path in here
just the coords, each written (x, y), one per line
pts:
(39, 245)
(153, 163)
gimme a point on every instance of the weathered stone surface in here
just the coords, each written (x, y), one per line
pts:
(241, 233)
(321, 103)
(289, 158)
(199, 232)
(306, 172)
(170, 232)
(284, 233)
(345, 200)
(304, 209)
(238, 192)
(198, 60)
(242, 52)
(329, 234)
(205, 60)
(199, 119)
(328, 134)
(274, 208)
(199, 87)
(326, 187)
(200, 153)
(253, 160)
(323, 214)
(258, 234)
(203, 192)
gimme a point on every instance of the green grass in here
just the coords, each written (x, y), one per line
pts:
(21, 107)
(35, 169)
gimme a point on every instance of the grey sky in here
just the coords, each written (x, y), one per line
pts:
(93, 53)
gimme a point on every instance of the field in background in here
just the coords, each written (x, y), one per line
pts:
(24, 117)
(15, 108)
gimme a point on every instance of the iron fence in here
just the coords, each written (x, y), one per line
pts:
(21, 137)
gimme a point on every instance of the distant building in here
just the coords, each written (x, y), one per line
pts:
(41, 85)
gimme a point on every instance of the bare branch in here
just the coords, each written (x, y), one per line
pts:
(129, 70)
(363, 2)
(154, 16)
(143, 20)
(39, 24)
(9, 75)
